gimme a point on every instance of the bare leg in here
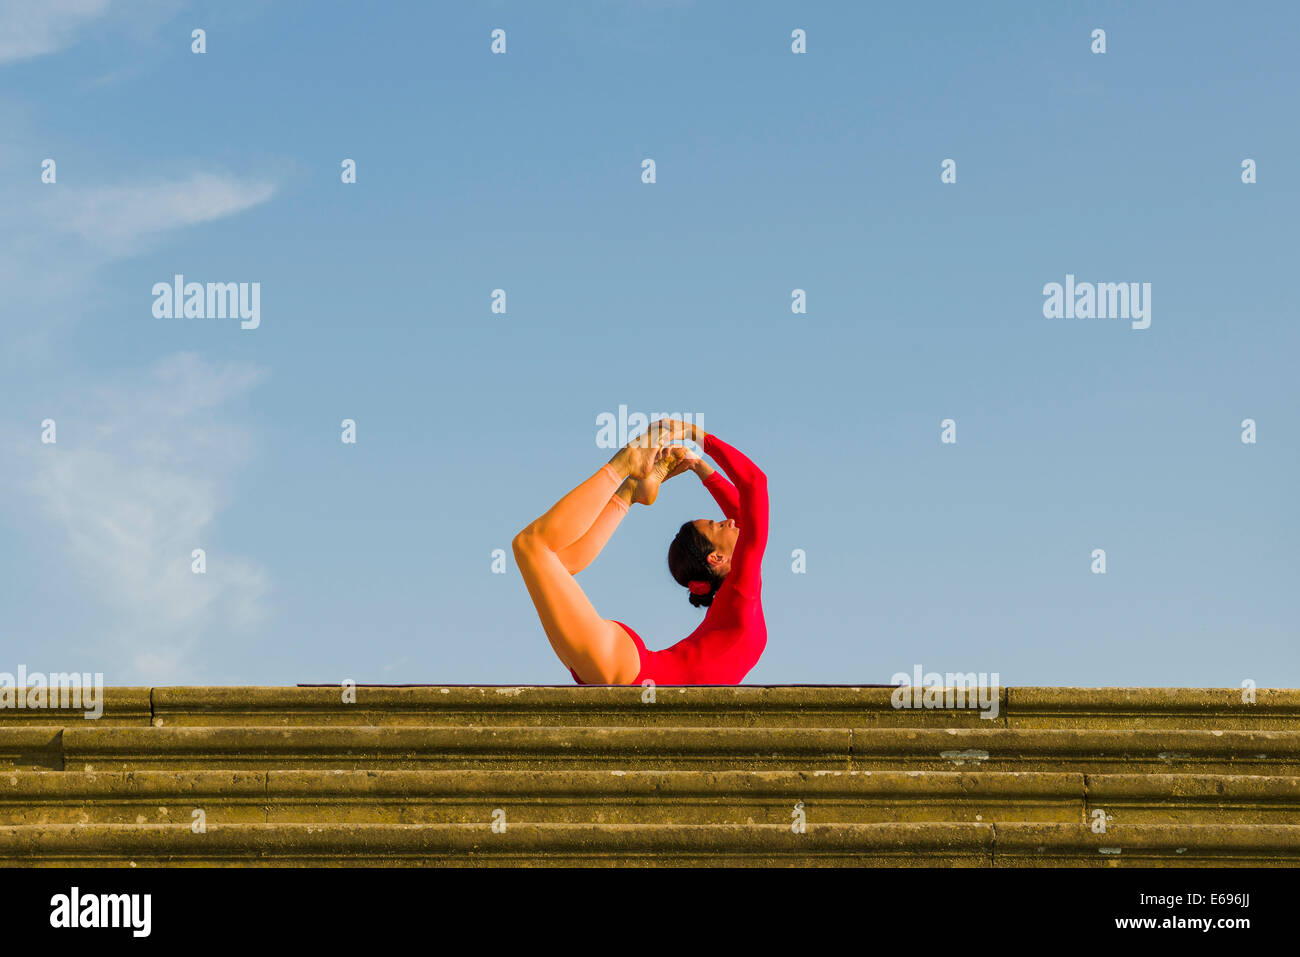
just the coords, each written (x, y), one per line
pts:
(599, 651)
(580, 554)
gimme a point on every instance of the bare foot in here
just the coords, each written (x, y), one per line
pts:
(638, 457)
(646, 490)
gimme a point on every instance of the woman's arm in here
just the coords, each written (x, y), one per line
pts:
(723, 492)
(751, 517)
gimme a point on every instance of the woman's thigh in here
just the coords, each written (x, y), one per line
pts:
(599, 651)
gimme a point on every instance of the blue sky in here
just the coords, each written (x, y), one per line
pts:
(775, 171)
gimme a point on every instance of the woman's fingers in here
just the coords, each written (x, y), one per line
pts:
(660, 432)
(685, 464)
(668, 429)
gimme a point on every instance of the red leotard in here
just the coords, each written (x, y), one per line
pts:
(732, 636)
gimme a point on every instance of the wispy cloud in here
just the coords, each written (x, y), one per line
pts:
(140, 474)
(32, 28)
(133, 485)
(119, 218)
(55, 239)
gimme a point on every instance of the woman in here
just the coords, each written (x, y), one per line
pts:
(718, 562)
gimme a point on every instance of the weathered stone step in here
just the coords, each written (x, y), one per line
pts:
(118, 706)
(1154, 708)
(672, 797)
(34, 747)
(745, 706)
(1084, 750)
(1192, 799)
(668, 797)
(1147, 845)
(405, 747)
(932, 844)
(690, 776)
(103, 748)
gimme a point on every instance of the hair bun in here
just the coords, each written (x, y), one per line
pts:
(701, 601)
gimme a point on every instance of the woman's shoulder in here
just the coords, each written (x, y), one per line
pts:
(739, 594)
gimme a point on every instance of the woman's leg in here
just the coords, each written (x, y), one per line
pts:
(598, 651)
(581, 553)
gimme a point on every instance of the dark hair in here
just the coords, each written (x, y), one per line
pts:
(688, 561)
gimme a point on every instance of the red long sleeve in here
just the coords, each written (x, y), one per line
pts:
(745, 576)
(724, 493)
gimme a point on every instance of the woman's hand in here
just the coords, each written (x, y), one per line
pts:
(701, 468)
(688, 462)
(668, 430)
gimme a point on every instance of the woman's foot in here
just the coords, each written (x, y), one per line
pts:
(646, 490)
(638, 458)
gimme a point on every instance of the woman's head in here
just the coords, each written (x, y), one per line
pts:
(700, 557)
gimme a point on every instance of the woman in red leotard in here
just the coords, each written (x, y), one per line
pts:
(718, 562)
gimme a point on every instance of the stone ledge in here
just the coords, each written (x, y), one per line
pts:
(936, 844)
(31, 747)
(408, 797)
(822, 749)
(407, 747)
(570, 706)
(121, 706)
(893, 844)
(45, 785)
(739, 706)
(1253, 845)
(1223, 708)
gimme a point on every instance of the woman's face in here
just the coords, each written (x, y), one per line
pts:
(721, 534)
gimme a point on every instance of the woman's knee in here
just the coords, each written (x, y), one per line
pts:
(526, 543)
